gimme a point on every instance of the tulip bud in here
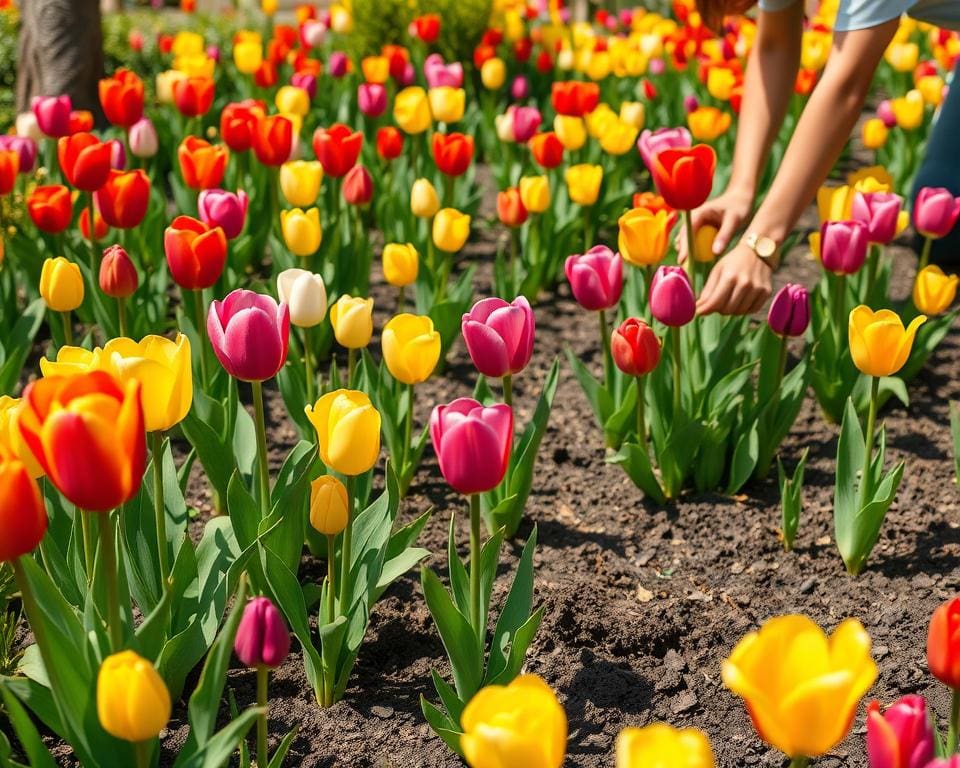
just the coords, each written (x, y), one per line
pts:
(348, 430)
(52, 114)
(535, 193)
(401, 262)
(635, 347)
(338, 64)
(301, 230)
(118, 275)
(352, 321)
(934, 291)
(328, 505)
(451, 228)
(510, 208)
(291, 100)
(596, 278)
(520, 88)
(372, 99)
(447, 104)
(571, 132)
(424, 201)
(493, 73)
(943, 644)
(142, 137)
(503, 124)
(305, 294)
(663, 745)
(935, 212)
(880, 212)
(526, 121)
(228, 210)
(499, 335)
(789, 313)
(902, 736)
(472, 443)
(583, 183)
(23, 517)
(358, 186)
(133, 703)
(263, 639)
(672, 300)
(843, 246)
(300, 182)
(61, 284)
(306, 81)
(874, 133)
(411, 348)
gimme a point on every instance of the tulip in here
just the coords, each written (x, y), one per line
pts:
(23, 516)
(879, 343)
(84, 160)
(411, 110)
(61, 287)
(9, 166)
(292, 100)
(644, 236)
(684, 176)
(438, 74)
(50, 208)
(499, 337)
(328, 509)
(672, 300)
(202, 164)
(10, 437)
(452, 153)
(520, 88)
(389, 142)
(535, 193)
(596, 278)
(123, 199)
(53, 115)
(358, 186)
(301, 230)
(71, 361)
(427, 27)
(943, 652)
(933, 291)
(447, 103)
(245, 317)
(633, 113)
(908, 110)
(133, 703)
(263, 640)
(651, 143)
(26, 125)
(238, 122)
(300, 182)
(424, 201)
(307, 81)
(272, 140)
(547, 151)
(583, 183)
(193, 96)
(708, 123)
(510, 208)
(879, 212)
(801, 686)
(493, 74)
(570, 131)
(663, 746)
(618, 137)
(348, 430)
(935, 212)
(100, 228)
(81, 121)
(196, 253)
(789, 313)
(337, 148)
(401, 263)
(526, 121)
(165, 83)
(574, 98)
(372, 99)
(843, 246)
(352, 321)
(874, 133)
(635, 347)
(121, 97)
(227, 210)
(305, 295)
(338, 64)
(25, 149)
(451, 228)
(520, 724)
(902, 736)
(411, 348)
(118, 276)
(248, 55)
(142, 138)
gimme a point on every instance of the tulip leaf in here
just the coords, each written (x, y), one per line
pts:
(516, 610)
(519, 643)
(448, 697)
(27, 733)
(459, 580)
(791, 498)
(276, 761)
(598, 397)
(745, 455)
(217, 751)
(458, 637)
(636, 463)
(850, 452)
(18, 344)
(489, 559)
(441, 725)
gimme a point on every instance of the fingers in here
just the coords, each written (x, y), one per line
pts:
(716, 292)
(728, 228)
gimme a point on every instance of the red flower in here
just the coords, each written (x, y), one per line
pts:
(124, 198)
(118, 277)
(389, 143)
(84, 160)
(9, 167)
(651, 201)
(121, 97)
(452, 152)
(684, 176)
(483, 53)
(273, 140)
(100, 226)
(81, 121)
(196, 253)
(943, 644)
(358, 186)
(202, 164)
(427, 27)
(635, 347)
(574, 98)
(337, 148)
(266, 76)
(238, 122)
(193, 95)
(50, 208)
(547, 149)
(23, 517)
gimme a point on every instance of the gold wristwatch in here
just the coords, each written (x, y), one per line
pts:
(765, 247)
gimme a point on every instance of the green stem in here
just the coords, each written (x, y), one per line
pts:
(691, 242)
(331, 576)
(308, 367)
(954, 732)
(87, 545)
(641, 415)
(159, 513)
(431, 253)
(141, 753)
(677, 380)
(201, 329)
(122, 315)
(514, 238)
(873, 264)
(475, 613)
(93, 233)
(587, 230)
(508, 390)
(401, 298)
(345, 553)
(263, 675)
(443, 276)
(67, 328)
(838, 305)
(800, 762)
(865, 477)
(607, 355)
(351, 364)
(109, 561)
(925, 253)
(264, 467)
(407, 431)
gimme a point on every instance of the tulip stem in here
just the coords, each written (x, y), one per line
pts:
(641, 415)
(954, 730)
(866, 476)
(331, 576)
(262, 678)
(407, 433)
(925, 253)
(156, 448)
(351, 364)
(873, 264)
(141, 753)
(91, 212)
(87, 545)
(109, 561)
(475, 565)
(122, 315)
(838, 302)
(264, 468)
(508, 390)
(201, 333)
(67, 328)
(401, 298)
(345, 554)
(308, 366)
(800, 762)
(691, 242)
(677, 380)
(607, 355)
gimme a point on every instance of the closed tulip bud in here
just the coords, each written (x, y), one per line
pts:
(571, 132)
(23, 516)
(348, 431)
(196, 253)
(934, 291)
(133, 703)
(535, 193)
(401, 263)
(806, 708)
(305, 294)
(193, 96)
(633, 113)
(234, 323)
(124, 198)
(358, 186)
(372, 99)
(292, 100)
(248, 55)
(547, 151)
(644, 236)
(411, 110)
(389, 142)
(61, 284)
(71, 361)
(424, 201)
(879, 344)
(583, 183)
(238, 122)
(843, 246)
(352, 321)
(521, 724)
(672, 300)
(452, 152)
(9, 166)
(472, 443)
(447, 104)
(328, 505)
(451, 228)
(504, 127)
(885, 113)
(338, 64)
(202, 164)
(121, 97)
(520, 88)
(596, 278)
(908, 110)
(874, 133)
(118, 275)
(510, 208)
(337, 148)
(635, 347)
(273, 138)
(663, 746)
(263, 640)
(880, 212)
(935, 212)
(227, 210)
(301, 230)
(411, 348)
(789, 313)
(493, 74)
(499, 335)
(943, 644)
(300, 182)
(84, 160)
(526, 121)
(902, 736)
(53, 115)
(142, 138)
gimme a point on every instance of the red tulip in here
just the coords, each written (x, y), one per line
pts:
(193, 96)
(389, 143)
(23, 517)
(50, 208)
(635, 347)
(81, 121)
(84, 160)
(266, 76)
(121, 97)
(196, 253)
(452, 152)
(101, 228)
(943, 644)
(547, 149)
(684, 176)
(427, 27)
(273, 140)
(358, 186)
(510, 208)
(337, 148)
(118, 276)
(9, 166)
(123, 200)
(238, 122)
(574, 98)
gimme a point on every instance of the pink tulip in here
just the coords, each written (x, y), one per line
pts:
(407, 75)
(526, 120)
(885, 112)
(143, 139)
(843, 246)
(312, 33)
(626, 17)
(307, 81)
(672, 300)
(935, 211)
(338, 64)
(880, 212)
(520, 88)
(118, 154)
(372, 99)
(53, 114)
(358, 185)
(944, 762)
(651, 143)
(472, 443)
(901, 737)
(25, 147)
(219, 208)
(249, 333)
(499, 336)
(213, 52)
(439, 73)
(789, 313)
(263, 639)
(657, 66)
(690, 103)
(596, 278)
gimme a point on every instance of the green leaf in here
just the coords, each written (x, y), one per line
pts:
(745, 456)
(850, 453)
(600, 401)
(636, 463)
(441, 725)
(217, 751)
(18, 344)
(280, 755)
(459, 638)
(791, 498)
(26, 732)
(459, 579)
(516, 610)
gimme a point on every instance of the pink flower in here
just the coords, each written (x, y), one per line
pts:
(307, 81)
(789, 313)
(651, 143)
(143, 139)
(372, 99)
(118, 154)
(499, 336)
(439, 73)
(935, 211)
(690, 103)
(526, 120)
(520, 88)
(263, 639)
(843, 246)
(901, 737)
(249, 333)
(885, 113)
(596, 278)
(338, 64)
(228, 210)
(472, 443)
(25, 147)
(880, 212)
(672, 300)
(53, 114)
(312, 33)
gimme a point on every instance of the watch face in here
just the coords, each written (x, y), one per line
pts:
(765, 247)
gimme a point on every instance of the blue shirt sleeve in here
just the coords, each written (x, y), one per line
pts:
(861, 14)
(776, 5)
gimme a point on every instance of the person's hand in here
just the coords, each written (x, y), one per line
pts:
(727, 212)
(739, 284)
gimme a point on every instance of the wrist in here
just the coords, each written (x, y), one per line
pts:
(762, 246)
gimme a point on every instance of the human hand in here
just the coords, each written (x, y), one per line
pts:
(739, 283)
(727, 213)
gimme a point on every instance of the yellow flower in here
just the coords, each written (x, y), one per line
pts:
(643, 239)
(934, 291)
(879, 344)
(401, 263)
(521, 724)
(813, 240)
(248, 55)
(599, 65)
(598, 120)
(908, 110)
(571, 131)
(708, 123)
(411, 110)
(70, 361)
(583, 182)
(352, 321)
(10, 437)
(328, 505)
(292, 100)
(133, 703)
(634, 113)
(165, 82)
(815, 49)
(411, 348)
(903, 57)
(451, 228)
(300, 181)
(931, 88)
(348, 431)
(341, 20)
(493, 73)
(618, 138)
(269, 7)
(447, 103)
(186, 43)
(535, 193)
(663, 746)
(721, 82)
(874, 133)
(195, 65)
(703, 244)
(301, 230)
(801, 686)
(61, 284)
(835, 203)
(424, 201)
(164, 371)
(376, 69)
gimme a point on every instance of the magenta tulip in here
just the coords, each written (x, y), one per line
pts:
(338, 64)
(672, 300)
(520, 88)
(652, 143)
(879, 211)
(789, 313)
(439, 74)
(596, 278)
(228, 210)
(499, 336)
(25, 147)
(372, 99)
(307, 81)
(249, 333)
(901, 737)
(118, 154)
(53, 114)
(690, 104)
(407, 75)
(262, 637)
(472, 443)
(526, 121)
(943, 762)
(843, 246)
(885, 112)
(935, 211)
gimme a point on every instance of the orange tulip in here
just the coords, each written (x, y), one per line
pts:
(85, 160)
(9, 167)
(123, 200)
(121, 97)
(23, 517)
(101, 228)
(202, 163)
(193, 95)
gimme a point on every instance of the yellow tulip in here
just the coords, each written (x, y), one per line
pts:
(535, 193)
(341, 20)
(133, 704)
(411, 110)
(903, 57)
(520, 724)
(835, 203)
(447, 104)
(644, 236)
(703, 244)
(801, 686)
(186, 43)
(376, 69)
(424, 200)
(165, 82)
(401, 263)
(583, 183)
(269, 7)
(348, 431)
(874, 133)
(618, 138)
(813, 240)
(663, 746)
(599, 65)
(879, 344)
(248, 55)
(931, 88)
(493, 73)
(872, 178)
(300, 182)
(163, 368)
(598, 121)
(571, 131)
(721, 82)
(514, 28)
(934, 291)
(815, 49)
(292, 100)
(411, 348)
(301, 230)
(328, 505)
(708, 123)
(451, 228)
(70, 361)
(908, 110)
(61, 284)
(352, 321)
(195, 65)
(10, 437)
(633, 113)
